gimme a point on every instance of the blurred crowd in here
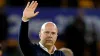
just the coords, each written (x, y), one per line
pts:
(56, 3)
(74, 33)
(59, 3)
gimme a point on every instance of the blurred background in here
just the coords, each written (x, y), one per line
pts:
(78, 22)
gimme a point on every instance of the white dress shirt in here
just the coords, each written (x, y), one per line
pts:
(46, 48)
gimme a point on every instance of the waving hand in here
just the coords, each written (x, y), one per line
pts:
(29, 10)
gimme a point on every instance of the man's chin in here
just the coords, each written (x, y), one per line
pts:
(48, 44)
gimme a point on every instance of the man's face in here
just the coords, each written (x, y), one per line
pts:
(48, 35)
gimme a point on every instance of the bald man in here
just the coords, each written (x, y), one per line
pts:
(48, 35)
(67, 51)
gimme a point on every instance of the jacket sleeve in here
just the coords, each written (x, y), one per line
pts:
(24, 42)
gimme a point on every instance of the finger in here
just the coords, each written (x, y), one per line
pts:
(35, 6)
(31, 4)
(27, 4)
(36, 13)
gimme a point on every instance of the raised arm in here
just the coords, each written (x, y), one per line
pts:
(24, 42)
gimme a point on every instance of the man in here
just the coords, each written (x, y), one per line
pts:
(3, 28)
(67, 51)
(73, 35)
(47, 34)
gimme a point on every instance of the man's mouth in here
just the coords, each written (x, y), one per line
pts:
(49, 40)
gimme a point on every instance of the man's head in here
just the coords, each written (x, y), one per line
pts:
(48, 34)
(67, 51)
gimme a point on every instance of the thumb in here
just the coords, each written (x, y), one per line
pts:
(36, 13)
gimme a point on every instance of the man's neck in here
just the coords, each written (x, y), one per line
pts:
(50, 49)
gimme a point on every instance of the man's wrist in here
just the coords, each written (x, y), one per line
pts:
(25, 19)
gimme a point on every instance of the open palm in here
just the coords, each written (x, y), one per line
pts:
(29, 10)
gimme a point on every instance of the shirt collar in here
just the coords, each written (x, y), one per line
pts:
(46, 48)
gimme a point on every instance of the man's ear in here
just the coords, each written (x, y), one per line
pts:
(57, 34)
(40, 35)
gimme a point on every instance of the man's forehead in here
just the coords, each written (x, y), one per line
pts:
(49, 24)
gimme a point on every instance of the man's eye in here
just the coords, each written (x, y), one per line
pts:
(53, 33)
(46, 32)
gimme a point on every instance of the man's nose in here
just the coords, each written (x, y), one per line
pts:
(50, 35)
